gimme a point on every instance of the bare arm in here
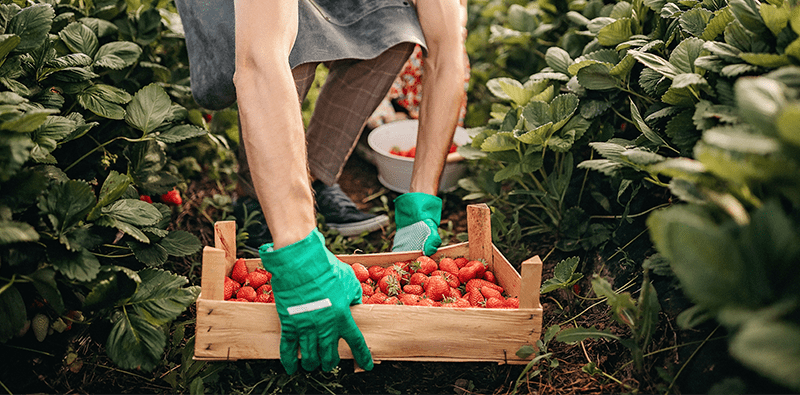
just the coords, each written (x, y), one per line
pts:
(442, 89)
(269, 110)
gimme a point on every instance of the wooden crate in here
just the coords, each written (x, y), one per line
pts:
(229, 330)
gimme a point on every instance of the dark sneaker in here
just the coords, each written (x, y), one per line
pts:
(258, 232)
(342, 214)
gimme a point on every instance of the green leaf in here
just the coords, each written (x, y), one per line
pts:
(597, 77)
(686, 80)
(642, 126)
(501, 141)
(133, 211)
(45, 283)
(161, 296)
(717, 24)
(26, 122)
(774, 18)
(17, 232)
(47, 135)
(558, 59)
(114, 283)
(152, 255)
(7, 44)
(149, 108)
(181, 243)
(575, 335)
(562, 108)
(564, 275)
(682, 132)
(32, 25)
(685, 54)
(80, 266)
(760, 100)
(117, 55)
(656, 63)
(12, 312)
(746, 12)
(771, 348)
(695, 21)
(787, 123)
(113, 188)
(769, 60)
(136, 344)
(615, 32)
(525, 351)
(180, 133)
(67, 203)
(79, 38)
(104, 100)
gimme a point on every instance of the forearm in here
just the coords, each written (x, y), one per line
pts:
(442, 90)
(272, 127)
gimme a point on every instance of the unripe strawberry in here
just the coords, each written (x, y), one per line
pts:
(40, 324)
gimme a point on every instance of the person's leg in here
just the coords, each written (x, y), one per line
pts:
(352, 91)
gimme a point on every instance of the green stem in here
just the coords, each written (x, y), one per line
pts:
(10, 283)
(601, 301)
(93, 150)
(674, 379)
(632, 215)
(8, 391)
(112, 256)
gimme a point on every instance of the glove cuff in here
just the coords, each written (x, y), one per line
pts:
(298, 263)
(412, 207)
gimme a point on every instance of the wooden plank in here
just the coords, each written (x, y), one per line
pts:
(225, 239)
(479, 229)
(506, 275)
(531, 283)
(212, 274)
(235, 330)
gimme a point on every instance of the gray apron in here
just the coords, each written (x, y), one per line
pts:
(327, 30)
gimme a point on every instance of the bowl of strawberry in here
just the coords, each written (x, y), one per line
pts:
(394, 145)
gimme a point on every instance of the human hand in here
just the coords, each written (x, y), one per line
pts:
(313, 293)
(417, 216)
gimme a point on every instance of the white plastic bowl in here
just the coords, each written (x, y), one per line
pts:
(394, 172)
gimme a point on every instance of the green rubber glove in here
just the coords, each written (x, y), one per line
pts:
(417, 216)
(313, 293)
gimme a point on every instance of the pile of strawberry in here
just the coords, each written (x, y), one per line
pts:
(244, 286)
(451, 282)
(412, 152)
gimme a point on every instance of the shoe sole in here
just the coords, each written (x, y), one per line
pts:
(357, 228)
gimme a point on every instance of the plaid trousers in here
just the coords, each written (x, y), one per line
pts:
(352, 91)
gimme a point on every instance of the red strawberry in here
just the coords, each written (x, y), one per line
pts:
(172, 198)
(459, 303)
(230, 286)
(409, 299)
(397, 270)
(146, 198)
(455, 293)
(362, 274)
(495, 303)
(478, 283)
(461, 261)
(452, 280)
(367, 290)
(257, 278)
(481, 268)
(424, 264)
(376, 272)
(262, 298)
(475, 299)
(448, 265)
(413, 289)
(489, 276)
(512, 303)
(429, 302)
(417, 279)
(389, 284)
(490, 293)
(467, 273)
(246, 292)
(436, 288)
(239, 272)
(391, 300)
(264, 289)
(376, 298)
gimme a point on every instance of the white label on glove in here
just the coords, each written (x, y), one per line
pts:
(304, 308)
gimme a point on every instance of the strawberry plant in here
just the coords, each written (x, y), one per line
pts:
(86, 121)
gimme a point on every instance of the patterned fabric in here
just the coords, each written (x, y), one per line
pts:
(406, 92)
